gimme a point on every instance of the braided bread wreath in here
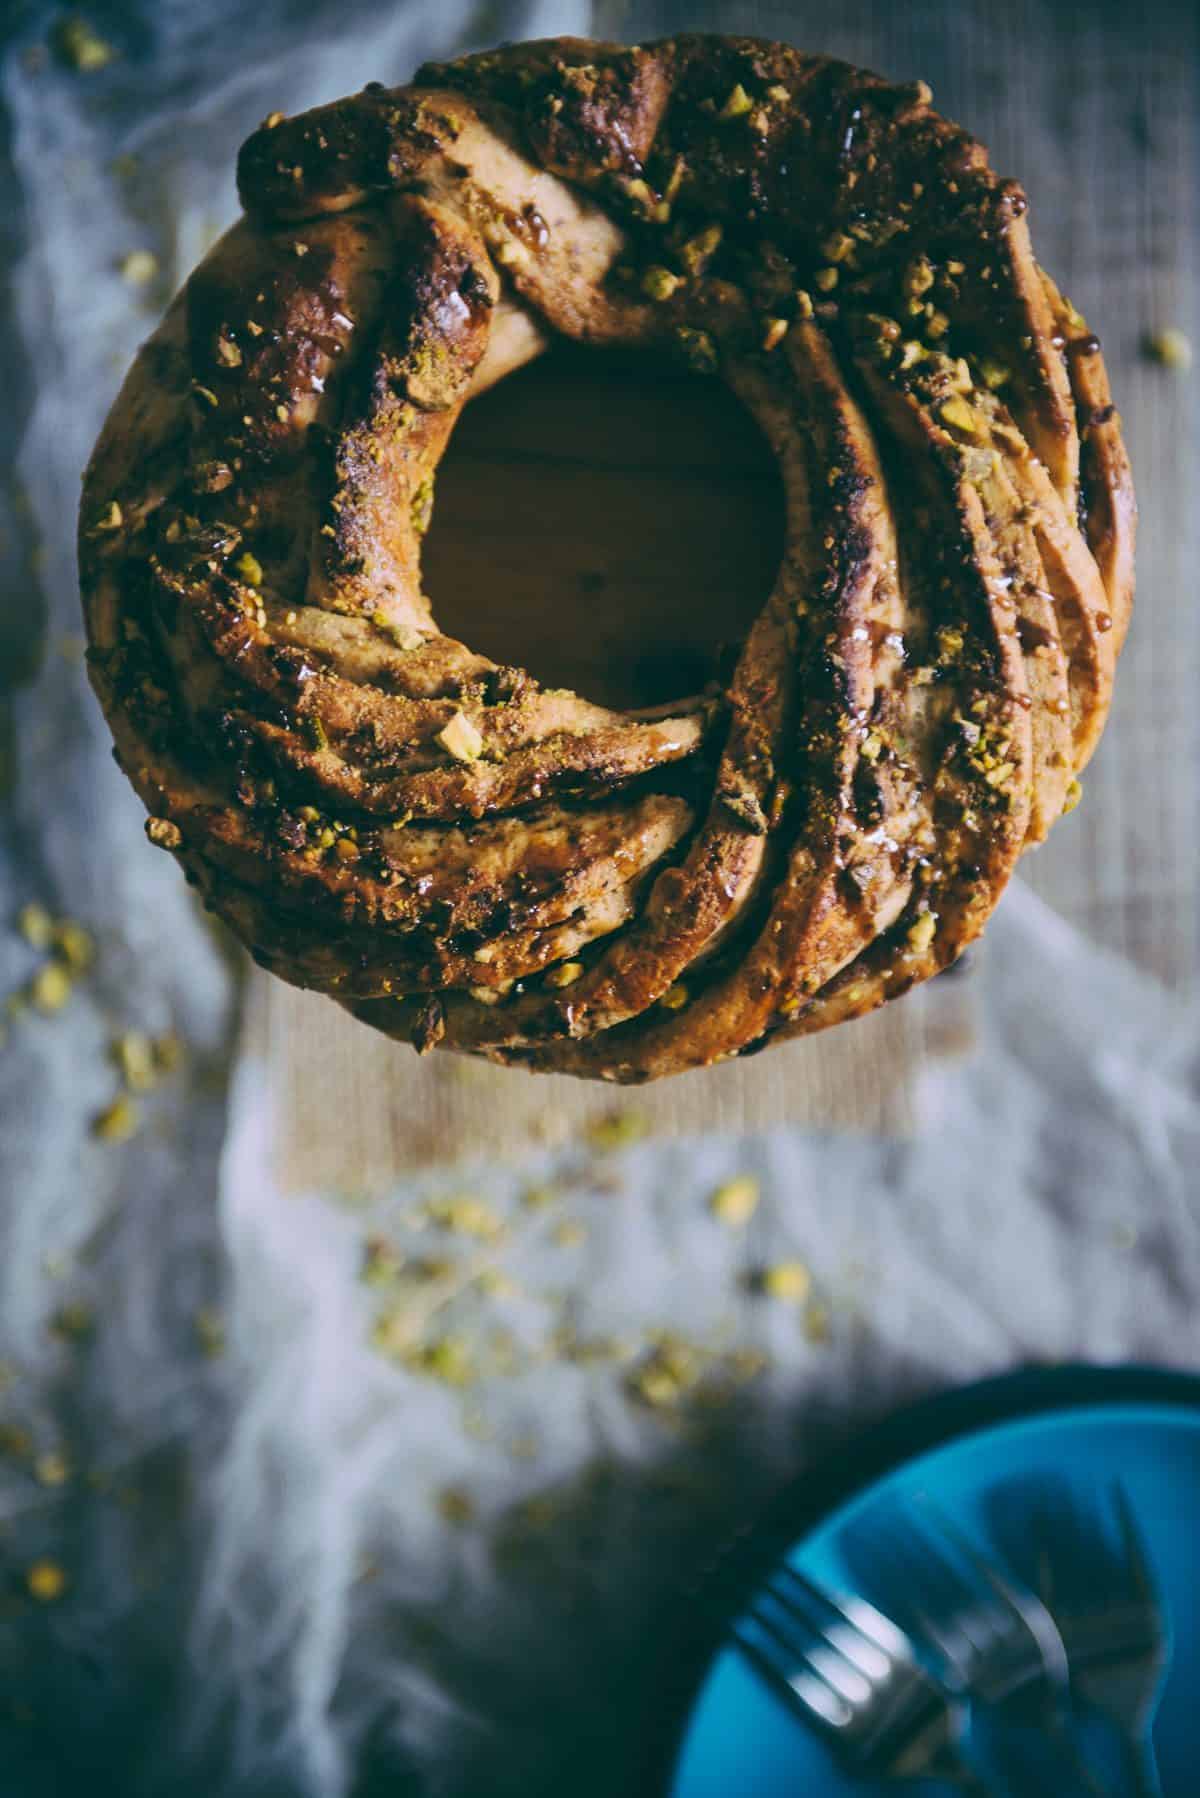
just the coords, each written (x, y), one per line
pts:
(462, 856)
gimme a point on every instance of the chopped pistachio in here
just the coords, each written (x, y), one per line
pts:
(283, 413)
(272, 119)
(455, 1505)
(922, 933)
(775, 332)
(912, 352)
(36, 925)
(936, 324)
(206, 394)
(659, 283)
(565, 974)
(670, 1371)
(838, 247)
(138, 266)
(737, 103)
(918, 277)
(825, 279)
(118, 1121)
(735, 1201)
(381, 1263)
(617, 1130)
(133, 1053)
(536, 1198)
(249, 569)
(804, 305)
(465, 1215)
(167, 1050)
(74, 946)
(956, 412)
(51, 1469)
(228, 352)
(787, 1280)
(50, 987)
(111, 519)
(346, 850)
(1172, 348)
(45, 1580)
(675, 998)
(81, 47)
(994, 373)
(210, 1332)
(461, 737)
(699, 250)
(448, 1359)
(779, 95)
(950, 642)
(817, 1328)
(1074, 795)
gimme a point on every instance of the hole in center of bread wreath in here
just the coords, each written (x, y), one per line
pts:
(609, 522)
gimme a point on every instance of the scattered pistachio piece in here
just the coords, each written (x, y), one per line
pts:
(45, 1580)
(133, 1053)
(1073, 796)
(536, 1198)
(51, 1469)
(138, 266)
(210, 1332)
(50, 987)
(249, 569)
(817, 1323)
(675, 998)
(735, 1201)
(448, 1359)
(272, 119)
(565, 974)
(111, 519)
(787, 1280)
(465, 1215)
(461, 737)
(73, 945)
(81, 47)
(775, 332)
(1172, 347)
(229, 353)
(72, 1322)
(36, 925)
(118, 1121)
(617, 1130)
(825, 279)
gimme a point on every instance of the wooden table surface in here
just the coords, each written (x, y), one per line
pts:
(585, 506)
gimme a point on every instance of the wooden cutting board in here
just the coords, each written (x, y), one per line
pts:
(611, 525)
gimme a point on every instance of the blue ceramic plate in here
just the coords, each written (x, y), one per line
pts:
(740, 1740)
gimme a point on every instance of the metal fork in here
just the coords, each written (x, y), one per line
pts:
(1100, 1587)
(846, 1668)
(996, 1645)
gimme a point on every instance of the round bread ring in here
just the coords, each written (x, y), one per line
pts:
(462, 856)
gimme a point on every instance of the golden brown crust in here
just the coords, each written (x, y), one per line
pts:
(462, 856)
